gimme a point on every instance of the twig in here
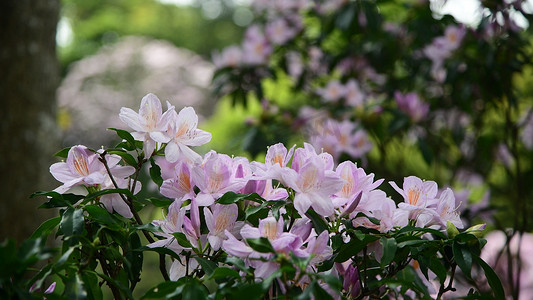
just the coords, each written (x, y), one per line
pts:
(138, 220)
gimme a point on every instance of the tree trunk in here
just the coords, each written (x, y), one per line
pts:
(28, 132)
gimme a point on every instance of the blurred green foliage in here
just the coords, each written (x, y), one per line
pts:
(95, 23)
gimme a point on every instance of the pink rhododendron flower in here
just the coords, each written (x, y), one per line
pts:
(295, 65)
(314, 185)
(256, 48)
(355, 181)
(276, 160)
(149, 124)
(333, 91)
(418, 196)
(229, 57)
(377, 205)
(179, 269)
(319, 248)
(353, 94)
(182, 133)
(446, 211)
(172, 223)
(180, 186)
(279, 31)
(336, 137)
(83, 167)
(412, 105)
(215, 177)
(219, 219)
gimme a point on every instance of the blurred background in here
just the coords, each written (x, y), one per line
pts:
(69, 66)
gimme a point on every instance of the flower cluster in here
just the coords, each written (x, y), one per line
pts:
(296, 220)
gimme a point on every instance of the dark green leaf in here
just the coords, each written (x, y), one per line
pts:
(492, 278)
(207, 266)
(63, 259)
(90, 280)
(46, 228)
(237, 262)
(252, 210)
(57, 200)
(75, 288)
(134, 259)
(438, 268)
(223, 272)
(158, 202)
(318, 222)
(63, 153)
(251, 291)
(95, 195)
(163, 289)
(102, 216)
(124, 135)
(160, 250)
(261, 244)
(389, 250)
(419, 230)
(72, 222)
(182, 240)
(231, 197)
(155, 173)
(148, 227)
(128, 158)
(463, 257)
(353, 247)
(194, 290)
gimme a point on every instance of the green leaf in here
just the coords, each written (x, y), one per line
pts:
(182, 240)
(389, 250)
(128, 158)
(124, 135)
(223, 272)
(231, 197)
(75, 288)
(163, 289)
(46, 228)
(250, 291)
(160, 250)
(155, 173)
(57, 200)
(148, 227)
(492, 278)
(134, 259)
(63, 153)
(261, 244)
(207, 266)
(353, 247)
(318, 222)
(438, 268)
(102, 216)
(239, 263)
(95, 195)
(194, 290)
(345, 17)
(419, 230)
(252, 210)
(63, 259)
(158, 202)
(90, 280)
(72, 222)
(463, 257)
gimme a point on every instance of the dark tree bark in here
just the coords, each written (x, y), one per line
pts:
(28, 135)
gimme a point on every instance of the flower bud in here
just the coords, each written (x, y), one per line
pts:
(477, 230)
(451, 230)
